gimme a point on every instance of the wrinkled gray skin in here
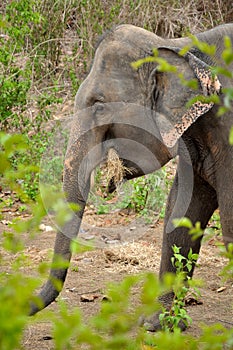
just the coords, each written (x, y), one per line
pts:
(143, 115)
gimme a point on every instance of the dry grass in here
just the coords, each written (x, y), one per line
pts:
(168, 18)
(115, 168)
(172, 18)
(133, 257)
(63, 43)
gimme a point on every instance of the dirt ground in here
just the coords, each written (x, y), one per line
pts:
(91, 271)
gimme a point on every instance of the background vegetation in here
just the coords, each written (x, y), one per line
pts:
(46, 48)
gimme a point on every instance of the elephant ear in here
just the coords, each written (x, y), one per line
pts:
(172, 129)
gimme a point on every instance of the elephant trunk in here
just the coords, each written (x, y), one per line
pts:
(62, 256)
(80, 160)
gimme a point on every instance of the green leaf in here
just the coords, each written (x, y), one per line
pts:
(193, 83)
(4, 164)
(227, 54)
(189, 266)
(195, 256)
(231, 136)
(203, 46)
(77, 248)
(184, 50)
(175, 249)
(190, 254)
(13, 143)
(227, 42)
(179, 257)
(203, 99)
(222, 110)
(223, 71)
(137, 64)
(164, 66)
(183, 222)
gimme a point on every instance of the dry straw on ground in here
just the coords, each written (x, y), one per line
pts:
(133, 257)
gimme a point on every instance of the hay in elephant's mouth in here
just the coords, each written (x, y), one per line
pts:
(116, 170)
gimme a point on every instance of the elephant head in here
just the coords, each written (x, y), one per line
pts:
(141, 114)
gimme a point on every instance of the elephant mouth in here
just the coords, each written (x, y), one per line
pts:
(116, 169)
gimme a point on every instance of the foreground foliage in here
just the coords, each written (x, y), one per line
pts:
(37, 74)
(116, 324)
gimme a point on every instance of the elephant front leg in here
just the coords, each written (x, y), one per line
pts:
(198, 204)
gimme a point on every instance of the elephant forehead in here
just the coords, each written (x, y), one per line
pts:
(111, 79)
(116, 55)
(135, 38)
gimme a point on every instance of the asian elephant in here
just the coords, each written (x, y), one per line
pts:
(143, 114)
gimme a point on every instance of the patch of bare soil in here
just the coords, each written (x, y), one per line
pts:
(118, 254)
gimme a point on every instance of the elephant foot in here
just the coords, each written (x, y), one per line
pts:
(152, 323)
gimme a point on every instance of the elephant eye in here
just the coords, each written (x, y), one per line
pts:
(94, 99)
(98, 106)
